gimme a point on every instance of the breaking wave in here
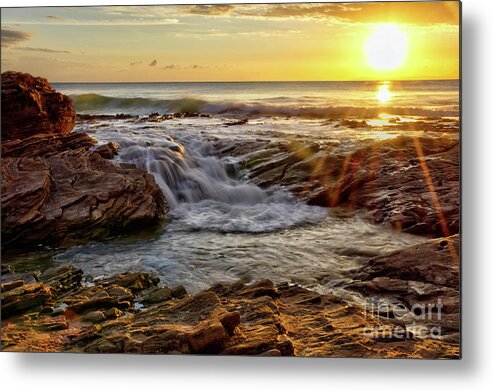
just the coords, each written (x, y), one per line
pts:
(100, 104)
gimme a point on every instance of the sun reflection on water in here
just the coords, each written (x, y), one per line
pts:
(383, 93)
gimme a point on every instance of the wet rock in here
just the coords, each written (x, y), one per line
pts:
(410, 183)
(46, 145)
(93, 317)
(96, 117)
(23, 298)
(155, 295)
(421, 283)
(7, 286)
(156, 117)
(74, 195)
(63, 278)
(108, 150)
(136, 282)
(55, 188)
(190, 325)
(30, 106)
(430, 262)
(99, 298)
(235, 123)
(178, 291)
(13, 277)
(423, 200)
(52, 324)
(232, 319)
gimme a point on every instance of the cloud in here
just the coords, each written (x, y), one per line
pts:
(223, 66)
(13, 37)
(175, 66)
(427, 12)
(98, 16)
(218, 9)
(135, 63)
(44, 50)
(153, 63)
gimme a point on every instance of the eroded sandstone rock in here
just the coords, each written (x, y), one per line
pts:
(56, 187)
(411, 183)
(74, 195)
(31, 106)
(420, 284)
(234, 319)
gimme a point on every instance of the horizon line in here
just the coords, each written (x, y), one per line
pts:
(251, 81)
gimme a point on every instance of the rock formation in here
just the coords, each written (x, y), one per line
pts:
(411, 183)
(131, 313)
(56, 187)
(30, 106)
(425, 279)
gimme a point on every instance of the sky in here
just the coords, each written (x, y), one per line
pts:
(254, 42)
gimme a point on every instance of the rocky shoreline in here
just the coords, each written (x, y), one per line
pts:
(403, 181)
(59, 188)
(133, 313)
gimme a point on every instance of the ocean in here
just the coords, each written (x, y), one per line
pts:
(222, 227)
(302, 99)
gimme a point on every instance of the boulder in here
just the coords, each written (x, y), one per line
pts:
(31, 106)
(74, 195)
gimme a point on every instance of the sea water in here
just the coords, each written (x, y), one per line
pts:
(222, 227)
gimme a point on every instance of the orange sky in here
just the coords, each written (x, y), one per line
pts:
(317, 41)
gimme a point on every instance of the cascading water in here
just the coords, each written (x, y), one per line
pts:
(203, 192)
(222, 228)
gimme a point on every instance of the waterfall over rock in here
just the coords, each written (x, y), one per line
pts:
(204, 192)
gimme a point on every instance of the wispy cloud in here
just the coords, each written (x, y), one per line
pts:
(217, 9)
(425, 12)
(193, 66)
(13, 37)
(429, 12)
(43, 50)
(153, 63)
(135, 63)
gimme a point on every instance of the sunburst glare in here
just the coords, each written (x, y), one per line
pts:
(386, 48)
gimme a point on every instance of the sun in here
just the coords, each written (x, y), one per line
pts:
(386, 48)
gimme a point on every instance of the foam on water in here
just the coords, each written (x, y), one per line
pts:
(301, 107)
(202, 190)
(322, 99)
(222, 228)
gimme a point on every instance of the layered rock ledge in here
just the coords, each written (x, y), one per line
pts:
(133, 313)
(57, 187)
(411, 183)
